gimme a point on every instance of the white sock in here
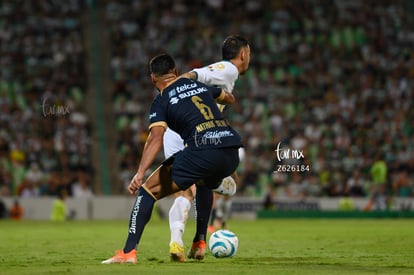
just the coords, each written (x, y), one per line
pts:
(227, 209)
(178, 216)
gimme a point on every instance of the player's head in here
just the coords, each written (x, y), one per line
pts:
(236, 47)
(162, 64)
(162, 67)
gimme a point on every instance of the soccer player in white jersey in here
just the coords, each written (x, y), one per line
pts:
(236, 58)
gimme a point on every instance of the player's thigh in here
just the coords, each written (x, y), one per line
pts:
(188, 193)
(160, 183)
(178, 194)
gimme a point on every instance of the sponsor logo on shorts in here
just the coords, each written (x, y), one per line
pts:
(211, 137)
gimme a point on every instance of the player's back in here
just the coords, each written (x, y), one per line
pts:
(190, 110)
(190, 103)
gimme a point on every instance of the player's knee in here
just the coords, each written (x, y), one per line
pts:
(188, 194)
(189, 197)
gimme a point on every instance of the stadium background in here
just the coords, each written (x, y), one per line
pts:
(331, 78)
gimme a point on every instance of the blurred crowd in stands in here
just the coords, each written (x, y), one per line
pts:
(333, 80)
(330, 79)
(44, 129)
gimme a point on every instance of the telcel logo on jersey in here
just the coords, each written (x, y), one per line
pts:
(185, 87)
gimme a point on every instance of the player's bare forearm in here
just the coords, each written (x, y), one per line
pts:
(152, 147)
(226, 98)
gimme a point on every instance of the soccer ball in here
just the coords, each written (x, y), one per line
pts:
(223, 244)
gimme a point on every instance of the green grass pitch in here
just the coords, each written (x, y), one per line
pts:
(276, 246)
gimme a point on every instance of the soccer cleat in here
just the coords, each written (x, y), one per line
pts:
(122, 258)
(177, 252)
(198, 250)
(227, 187)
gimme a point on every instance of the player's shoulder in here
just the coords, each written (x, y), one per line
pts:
(223, 65)
(222, 70)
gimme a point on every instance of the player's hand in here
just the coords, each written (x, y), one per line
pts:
(135, 184)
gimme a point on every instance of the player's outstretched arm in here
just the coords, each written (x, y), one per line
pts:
(152, 146)
(191, 75)
(225, 98)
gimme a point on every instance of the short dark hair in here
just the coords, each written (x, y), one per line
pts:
(232, 46)
(161, 64)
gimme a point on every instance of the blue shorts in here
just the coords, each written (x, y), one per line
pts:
(206, 167)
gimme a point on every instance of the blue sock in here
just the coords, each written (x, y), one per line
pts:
(140, 215)
(212, 216)
(204, 201)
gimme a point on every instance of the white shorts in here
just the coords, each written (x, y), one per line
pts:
(172, 143)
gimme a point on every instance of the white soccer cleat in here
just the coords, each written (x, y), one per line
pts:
(227, 187)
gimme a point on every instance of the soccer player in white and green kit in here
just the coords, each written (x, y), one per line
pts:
(236, 59)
